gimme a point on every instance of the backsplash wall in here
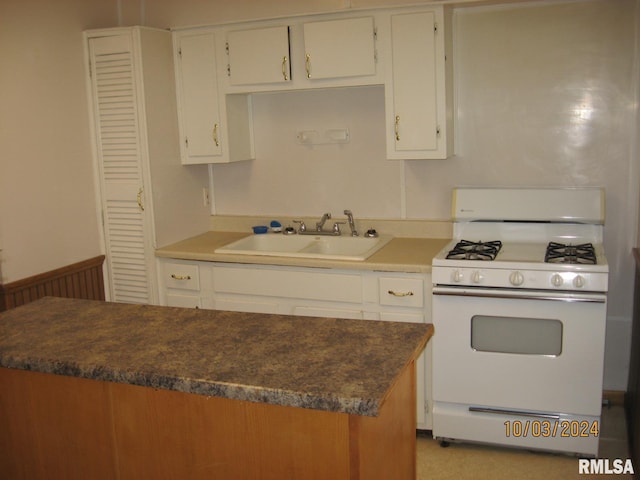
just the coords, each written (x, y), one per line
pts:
(545, 95)
(289, 179)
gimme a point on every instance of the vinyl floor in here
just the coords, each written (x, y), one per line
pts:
(465, 461)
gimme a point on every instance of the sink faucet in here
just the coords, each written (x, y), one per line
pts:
(352, 225)
(320, 224)
(319, 230)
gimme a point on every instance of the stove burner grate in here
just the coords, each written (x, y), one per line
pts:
(467, 250)
(562, 253)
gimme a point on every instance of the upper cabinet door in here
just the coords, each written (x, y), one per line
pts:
(414, 81)
(259, 55)
(197, 90)
(340, 48)
(416, 118)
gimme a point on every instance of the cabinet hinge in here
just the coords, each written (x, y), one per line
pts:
(90, 70)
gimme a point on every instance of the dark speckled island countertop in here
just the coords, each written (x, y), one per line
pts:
(319, 363)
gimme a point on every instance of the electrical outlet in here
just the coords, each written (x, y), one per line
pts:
(205, 197)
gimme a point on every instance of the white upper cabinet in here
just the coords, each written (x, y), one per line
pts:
(328, 49)
(404, 49)
(417, 122)
(197, 91)
(259, 55)
(339, 48)
(214, 127)
(300, 53)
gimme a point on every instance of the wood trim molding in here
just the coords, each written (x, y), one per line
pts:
(79, 280)
(614, 397)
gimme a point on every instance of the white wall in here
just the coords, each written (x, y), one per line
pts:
(289, 179)
(47, 208)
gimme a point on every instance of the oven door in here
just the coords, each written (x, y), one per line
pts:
(519, 350)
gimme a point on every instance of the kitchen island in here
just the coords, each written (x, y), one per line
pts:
(104, 390)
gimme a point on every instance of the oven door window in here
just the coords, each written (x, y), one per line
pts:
(530, 336)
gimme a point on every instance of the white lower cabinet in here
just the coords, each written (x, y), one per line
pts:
(405, 297)
(185, 284)
(353, 294)
(423, 373)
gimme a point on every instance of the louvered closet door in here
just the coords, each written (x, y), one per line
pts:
(120, 160)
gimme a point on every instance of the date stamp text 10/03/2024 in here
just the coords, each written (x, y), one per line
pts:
(551, 428)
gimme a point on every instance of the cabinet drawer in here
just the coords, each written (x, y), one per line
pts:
(185, 301)
(304, 285)
(401, 292)
(177, 275)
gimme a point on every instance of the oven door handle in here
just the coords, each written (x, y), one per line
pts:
(503, 411)
(521, 295)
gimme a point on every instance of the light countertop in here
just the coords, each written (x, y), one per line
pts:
(412, 255)
(327, 364)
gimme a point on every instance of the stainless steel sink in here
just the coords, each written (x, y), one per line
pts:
(307, 246)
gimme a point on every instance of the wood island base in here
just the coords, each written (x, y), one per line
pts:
(54, 426)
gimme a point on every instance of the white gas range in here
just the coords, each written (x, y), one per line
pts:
(519, 310)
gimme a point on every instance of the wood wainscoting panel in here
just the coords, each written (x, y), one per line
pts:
(79, 280)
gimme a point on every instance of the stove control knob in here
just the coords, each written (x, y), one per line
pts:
(457, 276)
(556, 280)
(476, 277)
(516, 279)
(578, 282)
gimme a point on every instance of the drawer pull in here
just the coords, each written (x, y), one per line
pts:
(400, 294)
(180, 277)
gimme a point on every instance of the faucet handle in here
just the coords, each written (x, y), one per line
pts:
(352, 224)
(303, 227)
(336, 228)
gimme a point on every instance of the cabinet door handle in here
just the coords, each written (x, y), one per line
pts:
(307, 65)
(397, 128)
(284, 69)
(139, 198)
(215, 134)
(400, 294)
(180, 277)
